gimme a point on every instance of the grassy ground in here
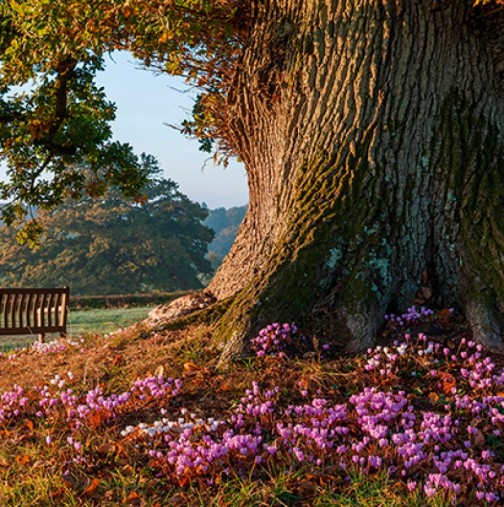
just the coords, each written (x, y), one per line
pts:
(100, 321)
(75, 432)
(104, 321)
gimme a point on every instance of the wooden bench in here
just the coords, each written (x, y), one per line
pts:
(33, 311)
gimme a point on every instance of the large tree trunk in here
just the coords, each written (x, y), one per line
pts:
(372, 133)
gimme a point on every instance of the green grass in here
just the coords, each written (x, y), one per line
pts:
(104, 321)
(99, 321)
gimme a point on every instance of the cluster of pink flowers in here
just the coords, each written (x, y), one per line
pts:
(442, 435)
(53, 346)
(413, 314)
(12, 403)
(58, 400)
(448, 450)
(274, 339)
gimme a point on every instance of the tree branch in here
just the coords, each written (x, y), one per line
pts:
(65, 72)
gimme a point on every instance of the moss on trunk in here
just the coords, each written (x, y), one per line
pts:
(376, 170)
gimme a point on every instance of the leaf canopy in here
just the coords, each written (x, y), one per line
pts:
(55, 120)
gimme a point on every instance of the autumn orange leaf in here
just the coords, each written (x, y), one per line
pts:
(189, 366)
(184, 481)
(23, 459)
(92, 487)
(117, 359)
(133, 498)
(95, 420)
(107, 449)
(448, 381)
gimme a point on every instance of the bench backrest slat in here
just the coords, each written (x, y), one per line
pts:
(21, 309)
(14, 301)
(49, 312)
(36, 313)
(29, 311)
(7, 304)
(29, 314)
(42, 312)
(62, 305)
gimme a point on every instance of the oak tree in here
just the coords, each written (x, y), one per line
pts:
(371, 132)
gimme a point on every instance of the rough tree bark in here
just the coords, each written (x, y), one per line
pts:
(372, 134)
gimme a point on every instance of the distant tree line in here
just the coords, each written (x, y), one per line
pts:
(107, 245)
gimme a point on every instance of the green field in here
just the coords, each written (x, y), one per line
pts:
(100, 321)
(104, 321)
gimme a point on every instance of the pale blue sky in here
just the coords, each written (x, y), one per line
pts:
(145, 103)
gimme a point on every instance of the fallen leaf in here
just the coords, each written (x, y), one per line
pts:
(96, 418)
(92, 487)
(133, 499)
(189, 366)
(479, 439)
(107, 449)
(426, 293)
(448, 380)
(183, 481)
(117, 359)
(23, 459)
(444, 316)
(59, 492)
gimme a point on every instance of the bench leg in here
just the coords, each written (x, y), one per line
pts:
(41, 338)
(63, 334)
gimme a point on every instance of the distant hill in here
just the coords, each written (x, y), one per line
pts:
(225, 223)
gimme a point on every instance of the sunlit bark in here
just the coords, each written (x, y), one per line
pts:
(371, 131)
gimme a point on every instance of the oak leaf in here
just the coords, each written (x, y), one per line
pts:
(92, 487)
(189, 366)
(133, 499)
(23, 459)
(448, 381)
